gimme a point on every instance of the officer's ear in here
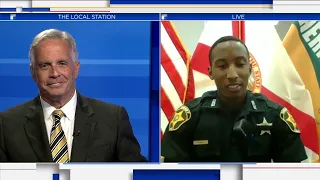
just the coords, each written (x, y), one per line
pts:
(210, 72)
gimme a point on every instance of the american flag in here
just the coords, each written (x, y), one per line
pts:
(177, 84)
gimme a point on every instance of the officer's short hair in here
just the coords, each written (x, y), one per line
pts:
(224, 39)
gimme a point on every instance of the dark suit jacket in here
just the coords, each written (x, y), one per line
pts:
(103, 133)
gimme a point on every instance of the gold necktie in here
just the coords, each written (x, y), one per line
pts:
(58, 141)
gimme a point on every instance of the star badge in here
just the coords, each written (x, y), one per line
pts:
(264, 124)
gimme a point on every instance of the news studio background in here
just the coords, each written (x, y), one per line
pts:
(121, 62)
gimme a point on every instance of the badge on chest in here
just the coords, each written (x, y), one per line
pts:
(264, 126)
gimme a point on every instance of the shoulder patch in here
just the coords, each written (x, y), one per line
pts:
(288, 119)
(181, 116)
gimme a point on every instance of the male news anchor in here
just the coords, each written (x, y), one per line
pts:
(61, 125)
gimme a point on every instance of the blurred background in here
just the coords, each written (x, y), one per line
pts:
(190, 31)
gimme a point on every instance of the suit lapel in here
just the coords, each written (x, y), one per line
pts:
(83, 130)
(36, 131)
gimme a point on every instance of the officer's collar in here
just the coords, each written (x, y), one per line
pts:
(251, 104)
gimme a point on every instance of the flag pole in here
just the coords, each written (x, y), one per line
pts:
(185, 98)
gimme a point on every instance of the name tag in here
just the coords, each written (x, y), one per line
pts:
(201, 142)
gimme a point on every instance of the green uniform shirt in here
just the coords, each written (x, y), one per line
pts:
(203, 131)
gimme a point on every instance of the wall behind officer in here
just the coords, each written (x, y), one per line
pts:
(94, 131)
(231, 124)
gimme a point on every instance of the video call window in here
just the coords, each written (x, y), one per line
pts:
(251, 95)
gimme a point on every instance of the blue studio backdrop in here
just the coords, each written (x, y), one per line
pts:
(115, 65)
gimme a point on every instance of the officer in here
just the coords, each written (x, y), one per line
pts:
(231, 124)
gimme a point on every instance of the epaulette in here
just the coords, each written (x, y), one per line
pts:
(195, 102)
(273, 104)
(261, 97)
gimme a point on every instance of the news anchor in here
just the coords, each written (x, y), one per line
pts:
(61, 125)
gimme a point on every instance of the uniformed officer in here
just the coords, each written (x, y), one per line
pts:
(231, 124)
